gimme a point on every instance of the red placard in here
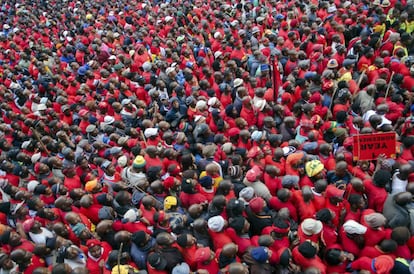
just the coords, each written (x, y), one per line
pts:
(370, 146)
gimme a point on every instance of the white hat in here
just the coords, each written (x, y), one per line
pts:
(147, 66)
(260, 19)
(43, 100)
(6, 26)
(216, 35)
(25, 144)
(353, 227)
(201, 104)
(234, 23)
(122, 161)
(169, 70)
(112, 57)
(216, 223)
(149, 132)
(212, 101)
(217, 54)
(32, 185)
(41, 107)
(311, 226)
(131, 215)
(125, 102)
(168, 18)
(331, 9)
(197, 118)
(255, 30)
(108, 120)
(35, 157)
(260, 104)
(238, 82)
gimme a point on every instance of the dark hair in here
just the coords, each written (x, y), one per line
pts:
(388, 245)
(332, 256)
(400, 235)
(354, 198)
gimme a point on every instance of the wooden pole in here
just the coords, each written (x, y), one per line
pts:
(36, 135)
(389, 85)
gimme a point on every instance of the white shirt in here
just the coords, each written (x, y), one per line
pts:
(398, 185)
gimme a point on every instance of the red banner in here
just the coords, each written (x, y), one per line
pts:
(370, 146)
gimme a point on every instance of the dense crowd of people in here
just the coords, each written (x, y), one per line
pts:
(205, 136)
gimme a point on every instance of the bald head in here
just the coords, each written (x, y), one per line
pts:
(320, 185)
(403, 198)
(405, 171)
(229, 250)
(237, 268)
(123, 236)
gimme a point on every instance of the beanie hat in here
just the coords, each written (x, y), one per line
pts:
(260, 254)
(78, 229)
(290, 180)
(256, 204)
(139, 162)
(216, 223)
(206, 181)
(252, 174)
(383, 264)
(234, 171)
(375, 220)
(168, 182)
(247, 193)
(182, 268)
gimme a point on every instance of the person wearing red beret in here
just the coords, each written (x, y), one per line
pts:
(97, 254)
(334, 202)
(206, 260)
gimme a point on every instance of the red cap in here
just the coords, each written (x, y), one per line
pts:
(202, 254)
(333, 191)
(233, 132)
(254, 151)
(315, 98)
(93, 242)
(28, 224)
